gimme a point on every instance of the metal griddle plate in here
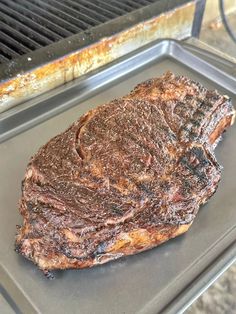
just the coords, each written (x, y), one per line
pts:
(166, 278)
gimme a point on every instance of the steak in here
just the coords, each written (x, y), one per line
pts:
(125, 177)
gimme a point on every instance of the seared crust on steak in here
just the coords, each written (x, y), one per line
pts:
(125, 177)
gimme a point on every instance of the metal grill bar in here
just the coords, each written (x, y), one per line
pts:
(30, 21)
(27, 25)
(142, 2)
(16, 24)
(104, 4)
(7, 51)
(95, 8)
(122, 5)
(13, 44)
(3, 59)
(19, 36)
(86, 11)
(53, 18)
(29, 11)
(86, 20)
(133, 4)
(59, 12)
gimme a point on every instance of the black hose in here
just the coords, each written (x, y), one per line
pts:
(225, 20)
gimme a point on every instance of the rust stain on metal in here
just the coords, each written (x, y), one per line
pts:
(173, 24)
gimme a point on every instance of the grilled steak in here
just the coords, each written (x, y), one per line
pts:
(125, 177)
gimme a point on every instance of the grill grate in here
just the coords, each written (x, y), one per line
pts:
(27, 25)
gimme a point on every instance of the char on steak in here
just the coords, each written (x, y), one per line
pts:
(125, 177)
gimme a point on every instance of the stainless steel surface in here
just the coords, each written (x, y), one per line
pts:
(169, 276)
(212, 55)
(207, 48)
(4, 306)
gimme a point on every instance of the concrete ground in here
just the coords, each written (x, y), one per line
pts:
(220, 298)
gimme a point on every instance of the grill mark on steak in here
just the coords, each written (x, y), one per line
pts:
(125, 177)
